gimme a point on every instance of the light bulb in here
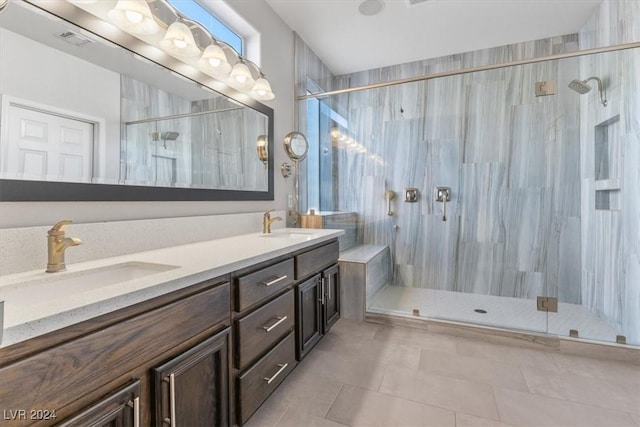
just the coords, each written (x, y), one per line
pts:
(133, 16)
(241, 77)
(261, 90)
(179, 43)
(214, 61)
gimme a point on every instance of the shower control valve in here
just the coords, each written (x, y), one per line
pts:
(411, 195)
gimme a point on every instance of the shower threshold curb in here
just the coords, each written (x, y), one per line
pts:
(533, 340)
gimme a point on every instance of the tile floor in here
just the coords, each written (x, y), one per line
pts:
(365, 374)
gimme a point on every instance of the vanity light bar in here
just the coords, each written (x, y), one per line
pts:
(163, 26)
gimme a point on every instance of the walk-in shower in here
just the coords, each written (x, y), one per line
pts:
(543, 202)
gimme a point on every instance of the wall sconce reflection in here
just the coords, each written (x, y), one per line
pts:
(263, 153)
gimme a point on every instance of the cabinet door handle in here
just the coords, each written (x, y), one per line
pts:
(172, 400)
(329, 289)
(321, 291)
(279, 320)
(282, 368)
(135, 404)
(274, 281)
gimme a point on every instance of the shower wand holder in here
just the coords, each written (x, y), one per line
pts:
(443, 195)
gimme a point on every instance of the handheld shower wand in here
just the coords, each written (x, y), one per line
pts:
(389, 196)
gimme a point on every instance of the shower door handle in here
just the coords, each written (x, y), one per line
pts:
(443, 194)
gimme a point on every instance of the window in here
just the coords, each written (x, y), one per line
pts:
(193, 10)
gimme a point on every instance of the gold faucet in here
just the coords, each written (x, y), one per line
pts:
(267, 221)
(57, 244)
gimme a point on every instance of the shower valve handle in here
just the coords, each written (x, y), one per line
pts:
(444, 209)
(443, 194)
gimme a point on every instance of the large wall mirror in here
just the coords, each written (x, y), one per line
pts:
(89, 112)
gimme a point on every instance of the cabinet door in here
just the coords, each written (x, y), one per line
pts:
(120, 409)
(192, 388)
(308, 315)
(331, 309)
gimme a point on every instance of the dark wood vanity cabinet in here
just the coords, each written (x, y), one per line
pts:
(100, 372)
(192, 388)
(206, 355)
(317, 297)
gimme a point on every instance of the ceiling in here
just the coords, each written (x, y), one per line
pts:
(347, 41)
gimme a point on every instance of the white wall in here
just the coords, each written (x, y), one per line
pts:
(276, 62)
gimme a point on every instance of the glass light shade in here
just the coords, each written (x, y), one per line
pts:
(179, 41)
(134, 16)
(241, 77)
(261, 90)
(215, 61)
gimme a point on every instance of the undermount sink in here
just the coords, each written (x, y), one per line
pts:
(54, 285)
(288, 234)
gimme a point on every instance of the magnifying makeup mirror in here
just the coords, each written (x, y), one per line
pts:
(296, 146)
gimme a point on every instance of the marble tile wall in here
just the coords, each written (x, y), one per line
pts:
(522, 221)
(216, 150)
(511, 161)
(140, 154)
(610, 164)
(224, 147)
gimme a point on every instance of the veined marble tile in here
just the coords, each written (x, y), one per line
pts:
(522, 221)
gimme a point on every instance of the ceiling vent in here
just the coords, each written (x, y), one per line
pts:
(415, 2)
(74, 38)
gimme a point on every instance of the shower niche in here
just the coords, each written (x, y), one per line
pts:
(607, 164)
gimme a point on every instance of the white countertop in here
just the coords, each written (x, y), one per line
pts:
(43, 312)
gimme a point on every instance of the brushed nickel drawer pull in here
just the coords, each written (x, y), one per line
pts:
(135, 404)
(274, 281)
(270, 328)
(172, 400)
(282, 368)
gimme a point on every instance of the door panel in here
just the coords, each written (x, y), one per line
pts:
(191, 389)
(40, 145)
(331, 311)
(308, 316)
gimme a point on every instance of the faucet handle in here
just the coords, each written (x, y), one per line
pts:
(268, 213)
(59, 227)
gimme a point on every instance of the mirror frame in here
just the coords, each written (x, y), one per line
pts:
(31, 191)
(287, 146)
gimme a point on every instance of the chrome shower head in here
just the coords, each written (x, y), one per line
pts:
(581, 87)
(169, 136)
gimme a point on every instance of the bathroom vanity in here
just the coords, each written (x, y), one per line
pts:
(204, 343)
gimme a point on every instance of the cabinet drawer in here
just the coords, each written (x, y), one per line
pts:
(254, 287)
(255, 385)
(311, 262)
(264, 327)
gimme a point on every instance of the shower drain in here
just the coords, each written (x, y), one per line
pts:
(479, 310)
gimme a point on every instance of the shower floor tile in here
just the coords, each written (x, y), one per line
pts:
(504, 312)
